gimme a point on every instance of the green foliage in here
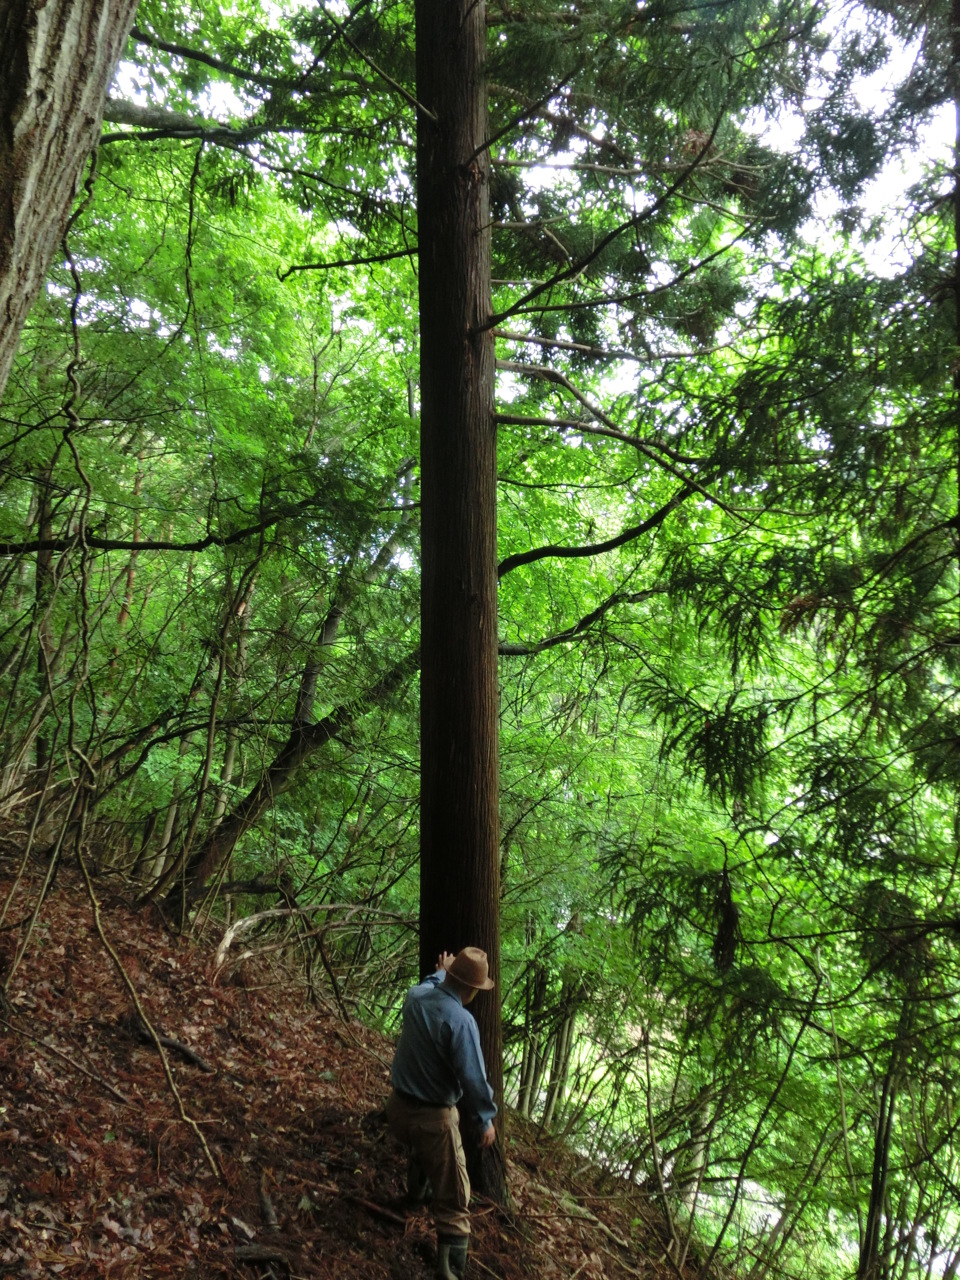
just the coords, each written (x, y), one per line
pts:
(727, 521)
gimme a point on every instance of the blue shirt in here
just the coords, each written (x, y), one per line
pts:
(438, 1058)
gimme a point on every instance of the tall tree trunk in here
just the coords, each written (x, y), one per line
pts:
(459, 868)
(57, 58)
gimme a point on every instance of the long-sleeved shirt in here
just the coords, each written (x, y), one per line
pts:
(439, 1059)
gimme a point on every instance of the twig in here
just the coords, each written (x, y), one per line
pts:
(143, 1034)
(127, 982)
(483, 1267)
(42, 1044)
(333, 978)
(404, 93)
(359, 261)
(376, 1208)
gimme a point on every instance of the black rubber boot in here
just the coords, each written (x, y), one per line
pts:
(452, 1257)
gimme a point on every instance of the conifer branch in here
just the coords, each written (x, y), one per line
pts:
(610, 429)
(576, 268)
(197, 55)
(394, 84)
(579, 629)
(129, 544)
(555, 551)
(347, 262)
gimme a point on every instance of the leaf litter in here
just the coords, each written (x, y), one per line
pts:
(100, 1176)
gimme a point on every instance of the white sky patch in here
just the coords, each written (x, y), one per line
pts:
(221, 101)
(131, 87)
(884, 197)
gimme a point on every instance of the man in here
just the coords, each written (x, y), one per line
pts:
(439, 1062)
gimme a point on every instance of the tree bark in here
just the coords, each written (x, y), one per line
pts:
(459, 869)
(56, 62)
(870, 1265)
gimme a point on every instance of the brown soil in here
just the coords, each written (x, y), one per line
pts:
(100, 1175)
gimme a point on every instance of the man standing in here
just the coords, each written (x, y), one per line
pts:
(439, 1062)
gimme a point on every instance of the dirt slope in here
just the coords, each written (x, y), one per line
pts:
(100, 1175)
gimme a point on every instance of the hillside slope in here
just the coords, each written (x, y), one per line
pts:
(100, 1174)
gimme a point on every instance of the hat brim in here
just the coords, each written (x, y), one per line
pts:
(486, 985)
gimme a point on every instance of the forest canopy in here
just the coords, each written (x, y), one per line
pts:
(726, 346)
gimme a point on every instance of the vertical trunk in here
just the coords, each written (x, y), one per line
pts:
(688, 1174)
(161, 860)
(560, 1069)
(870, 1263)
(56, 61)
(43, 599)
(459, 876)
(132, 562)
(532, 1061)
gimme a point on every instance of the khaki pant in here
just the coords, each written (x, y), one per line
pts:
(433, 1133)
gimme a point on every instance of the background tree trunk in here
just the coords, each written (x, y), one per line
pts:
(56, 63)
(459, 868)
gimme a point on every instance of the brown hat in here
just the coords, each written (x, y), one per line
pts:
(469, 966)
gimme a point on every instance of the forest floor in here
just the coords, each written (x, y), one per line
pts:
(101, 1176)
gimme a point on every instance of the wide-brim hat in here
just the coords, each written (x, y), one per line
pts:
(470, 967)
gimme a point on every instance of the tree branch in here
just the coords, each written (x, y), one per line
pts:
(562, 345)
(661, 457)
(347, 262)
(197, 55)
(395, 85)
(522, 420)
(507, 650)
(127, 544)
(553, 551)
(575, 268)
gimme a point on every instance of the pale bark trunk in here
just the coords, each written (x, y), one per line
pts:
(56, 62)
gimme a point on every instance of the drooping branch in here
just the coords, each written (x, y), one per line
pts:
(379, 71)
(555, 551)
(280, 775)
(197, 55)
(579, 629)
(631, 224)
(128, 544)
(661, 457)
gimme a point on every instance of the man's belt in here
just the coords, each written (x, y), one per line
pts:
(415, 1101)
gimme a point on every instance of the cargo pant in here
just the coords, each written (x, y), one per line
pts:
(433, 1134)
